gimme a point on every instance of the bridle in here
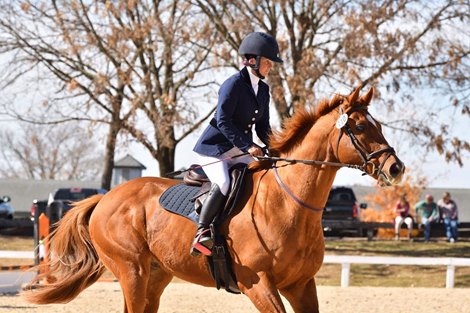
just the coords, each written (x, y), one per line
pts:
(366, 157)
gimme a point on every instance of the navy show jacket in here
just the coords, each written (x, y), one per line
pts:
(238, 108)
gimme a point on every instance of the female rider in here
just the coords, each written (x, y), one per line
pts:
(243, 103)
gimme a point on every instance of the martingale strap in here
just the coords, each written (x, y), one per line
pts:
(291, 194)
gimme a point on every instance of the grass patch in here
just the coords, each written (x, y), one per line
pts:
(395, 275)
(16, 243)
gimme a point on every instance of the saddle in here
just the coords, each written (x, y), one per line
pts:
(186, 199)
(196, 177)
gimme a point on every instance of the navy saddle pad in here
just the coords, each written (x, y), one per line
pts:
(179, 199)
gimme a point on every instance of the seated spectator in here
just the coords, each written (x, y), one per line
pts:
(449, 213)
(428, 214)
(402, 214)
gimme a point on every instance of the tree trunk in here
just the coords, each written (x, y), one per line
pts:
(108, 167)
(278, 94)
(166, 160)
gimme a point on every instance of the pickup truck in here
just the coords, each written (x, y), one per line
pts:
(341, 212)
(62, 200)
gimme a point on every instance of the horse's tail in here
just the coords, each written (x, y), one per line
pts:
(74, 264)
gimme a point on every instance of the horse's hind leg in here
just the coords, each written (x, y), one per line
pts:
(133, 274)
(158, 281)
(142, 282)
(131, 263)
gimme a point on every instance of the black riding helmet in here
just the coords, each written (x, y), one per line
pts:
(259, 45)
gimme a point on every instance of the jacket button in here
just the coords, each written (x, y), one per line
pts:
(249, 125)
(256, 111)
(246, 132)
(253, 119)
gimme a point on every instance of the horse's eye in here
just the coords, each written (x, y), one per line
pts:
(360, 127)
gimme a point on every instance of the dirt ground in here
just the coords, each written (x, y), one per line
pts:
(105, 297)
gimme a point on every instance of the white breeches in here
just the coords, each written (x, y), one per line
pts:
(399, 221)
(218, 172)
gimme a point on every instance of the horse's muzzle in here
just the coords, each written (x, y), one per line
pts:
(396, 169)
(392, 172)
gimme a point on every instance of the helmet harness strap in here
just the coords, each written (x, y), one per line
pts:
(255, 66)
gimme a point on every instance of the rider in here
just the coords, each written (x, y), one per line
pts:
(243, 103)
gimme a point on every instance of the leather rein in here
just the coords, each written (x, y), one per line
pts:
(366, 157)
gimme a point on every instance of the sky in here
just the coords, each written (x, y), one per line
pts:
(438, 173)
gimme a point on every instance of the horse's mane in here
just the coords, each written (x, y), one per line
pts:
(296, 127)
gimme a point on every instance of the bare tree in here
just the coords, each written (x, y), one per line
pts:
(49, 152)
(405, 48)
(133, 65)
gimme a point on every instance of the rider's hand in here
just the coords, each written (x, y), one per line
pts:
(255, 151)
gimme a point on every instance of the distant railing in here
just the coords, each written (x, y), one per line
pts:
(10, 254)
(347, 260)
(344, 260)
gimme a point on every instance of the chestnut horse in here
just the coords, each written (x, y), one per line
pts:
(275, 239)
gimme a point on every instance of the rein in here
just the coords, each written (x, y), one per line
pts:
(175, 173)
(366, 157)
(307, 162)
(311, 162)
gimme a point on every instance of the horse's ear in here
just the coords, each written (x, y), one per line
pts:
(365, 99)
(354, 95)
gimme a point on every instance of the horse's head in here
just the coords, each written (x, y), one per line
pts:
(360, 140)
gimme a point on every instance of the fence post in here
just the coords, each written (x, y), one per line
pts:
(345, 269)
(43, 247)
(450, 276)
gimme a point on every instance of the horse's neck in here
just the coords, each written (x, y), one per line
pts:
(312, 183)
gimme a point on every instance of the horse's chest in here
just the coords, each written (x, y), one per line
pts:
(308, 260)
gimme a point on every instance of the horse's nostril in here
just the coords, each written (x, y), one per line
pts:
(395, 169)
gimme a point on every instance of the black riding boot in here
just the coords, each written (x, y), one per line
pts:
(203, 242)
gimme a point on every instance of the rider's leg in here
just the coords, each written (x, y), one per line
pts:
(217, 172)
(203, 242)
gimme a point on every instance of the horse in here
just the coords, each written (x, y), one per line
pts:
(275, 238)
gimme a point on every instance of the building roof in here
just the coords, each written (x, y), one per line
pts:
(129, 162)
(23, 191)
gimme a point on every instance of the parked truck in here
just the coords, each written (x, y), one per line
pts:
(342, 213)
(61, 202)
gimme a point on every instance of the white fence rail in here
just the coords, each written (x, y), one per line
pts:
(347, 260)
(344, 260)
(12, 281)
(9, 254)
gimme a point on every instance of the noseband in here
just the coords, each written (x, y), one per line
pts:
(366, 157)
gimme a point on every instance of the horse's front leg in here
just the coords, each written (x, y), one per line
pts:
(263, 293)
(302, 296)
